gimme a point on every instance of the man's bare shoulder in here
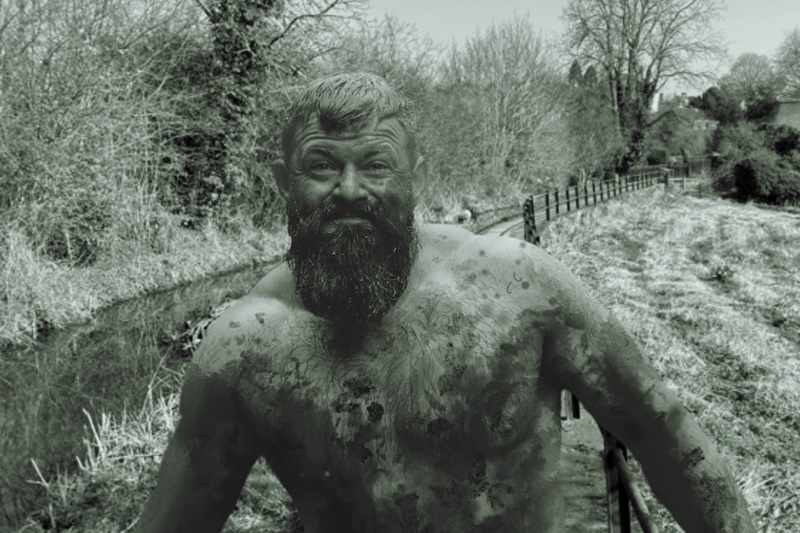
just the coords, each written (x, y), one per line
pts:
(277, 284)
(257, 320)
(522, 273)
(468, 251)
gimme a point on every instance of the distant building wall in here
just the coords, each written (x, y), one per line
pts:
(789, 114)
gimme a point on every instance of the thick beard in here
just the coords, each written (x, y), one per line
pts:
(350, 273)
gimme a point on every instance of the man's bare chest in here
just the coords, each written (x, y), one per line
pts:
(440, 378)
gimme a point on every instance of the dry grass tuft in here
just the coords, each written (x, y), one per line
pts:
(118, 472)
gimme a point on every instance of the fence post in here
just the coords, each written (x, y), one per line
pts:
(566, 193)
(547, 205)
(585, 193)
(529, 217)
(594, 193)
(619, 513)
(557, 202)
(577, 198)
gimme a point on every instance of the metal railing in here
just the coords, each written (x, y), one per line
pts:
(540, 209)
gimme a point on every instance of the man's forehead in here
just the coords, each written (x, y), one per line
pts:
(372, 130)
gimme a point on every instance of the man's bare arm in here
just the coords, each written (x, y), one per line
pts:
(207, 460)
(593, 356)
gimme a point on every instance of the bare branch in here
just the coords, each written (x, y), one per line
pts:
(298, 18)
(204, 8)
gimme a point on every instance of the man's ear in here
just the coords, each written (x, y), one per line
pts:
(419, 176)
(281, 174)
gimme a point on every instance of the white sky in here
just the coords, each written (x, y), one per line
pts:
(748, 25)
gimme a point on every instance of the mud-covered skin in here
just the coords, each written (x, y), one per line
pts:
(446, 419)
(439, 422)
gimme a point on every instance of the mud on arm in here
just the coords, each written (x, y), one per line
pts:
(591, 354)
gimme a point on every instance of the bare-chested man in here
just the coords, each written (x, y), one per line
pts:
(406, 378)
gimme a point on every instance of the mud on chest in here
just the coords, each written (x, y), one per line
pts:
(444, 398)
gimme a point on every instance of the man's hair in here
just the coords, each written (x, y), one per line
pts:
(346, 102)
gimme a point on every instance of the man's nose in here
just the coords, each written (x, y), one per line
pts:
(350, 187)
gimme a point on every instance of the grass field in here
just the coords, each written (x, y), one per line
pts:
(712, 291)
(710, 288)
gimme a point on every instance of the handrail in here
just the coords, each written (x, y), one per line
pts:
(541, 208)
(635, 496)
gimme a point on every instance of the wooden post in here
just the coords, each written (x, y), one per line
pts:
(566, 193)
(529, 218)
(557, 202)
(594, 193)
(547, 205)
(570, 406)
(585, 193)
(601, 191)
(619, 513)
(577, 198)
(632, 491)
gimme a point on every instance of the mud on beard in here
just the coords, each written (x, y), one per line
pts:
(350, 273)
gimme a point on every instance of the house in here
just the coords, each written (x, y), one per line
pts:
(687, 116)
(677, 111)
(788, 113)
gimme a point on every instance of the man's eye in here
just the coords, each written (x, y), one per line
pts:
(377, 166)
(320, 167)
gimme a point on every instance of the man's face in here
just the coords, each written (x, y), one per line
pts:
(351, 219)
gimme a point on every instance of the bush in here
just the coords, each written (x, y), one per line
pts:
(764, 176)
(783, 139)
(739, 143)
(657, 157)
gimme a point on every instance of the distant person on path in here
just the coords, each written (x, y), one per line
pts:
(404, 377)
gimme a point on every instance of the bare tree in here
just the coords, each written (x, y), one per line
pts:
(502, 93)
(752, 77)
(787, 62)
(391, 49)
(639, 45)
(754, 85)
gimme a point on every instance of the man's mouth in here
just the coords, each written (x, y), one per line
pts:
(350, 220)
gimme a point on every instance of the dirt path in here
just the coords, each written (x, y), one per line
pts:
(583, 477)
